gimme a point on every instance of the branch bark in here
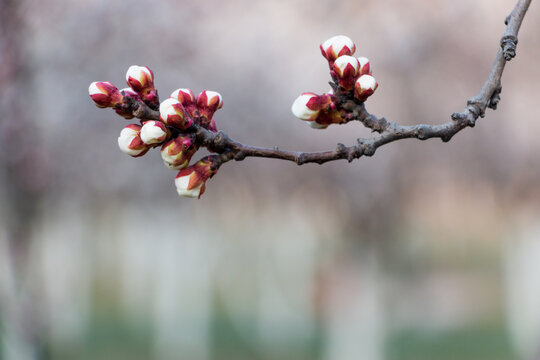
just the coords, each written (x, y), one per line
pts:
(388, 132)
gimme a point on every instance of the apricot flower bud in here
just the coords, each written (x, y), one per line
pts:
(104, 94)
(364, 87)
(207, 103)
(172, 113)
(346, 69)
(337, 46)
(141, 80)
(191, 181)
(130, 141)
(318, 110)
(187, 99)
(365, 67)
(176, 153)
(154, 132)
(305, 107)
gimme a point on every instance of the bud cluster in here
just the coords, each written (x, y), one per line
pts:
(352, 75)
(175, 132)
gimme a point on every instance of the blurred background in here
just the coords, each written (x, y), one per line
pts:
(424, 251)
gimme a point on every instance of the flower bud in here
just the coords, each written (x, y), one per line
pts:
(130, 141)
(176, 153)
(364, 87)
(187, 99)
(365, 67)
(104, 94)
(141, 80)
(154, 132)
(346, 69)
(172, 113)
(319, 110)
(208, 102)
(306, 106)
(191, 181)
(337, 46)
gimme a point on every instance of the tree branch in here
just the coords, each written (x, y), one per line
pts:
(352, 109)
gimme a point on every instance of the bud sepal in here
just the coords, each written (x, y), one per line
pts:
(191, 181)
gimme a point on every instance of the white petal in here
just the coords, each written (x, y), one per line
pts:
(342, 62)
(93, 89)
(152, 134)
(338, 42)
(124, 140)
(366, 82)
(299, 108)
(182, 184)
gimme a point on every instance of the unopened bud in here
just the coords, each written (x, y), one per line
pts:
(191, 181)
(176, 153)
(318, 110)
(139, 77)
(364, 87)
(130, 141)
(346, 68)
(104, 94)
(365, 67)
(154, 132)
(187, 99)
(141, 80)
(208, 102)
(172, 113)
(337, 46)
(306, 106)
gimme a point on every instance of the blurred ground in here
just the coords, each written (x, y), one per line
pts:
(424, 251)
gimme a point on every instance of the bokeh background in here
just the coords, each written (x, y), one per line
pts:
(424, 251)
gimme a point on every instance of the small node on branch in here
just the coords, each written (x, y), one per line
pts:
(421, 132)
(301, 159)
(495, 98)
(508, 45)
(239, 155)
(467, 119)
(219, 142)
(447, 137)
(341, 149)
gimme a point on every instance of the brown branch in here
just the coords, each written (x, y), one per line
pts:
(488, 97)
